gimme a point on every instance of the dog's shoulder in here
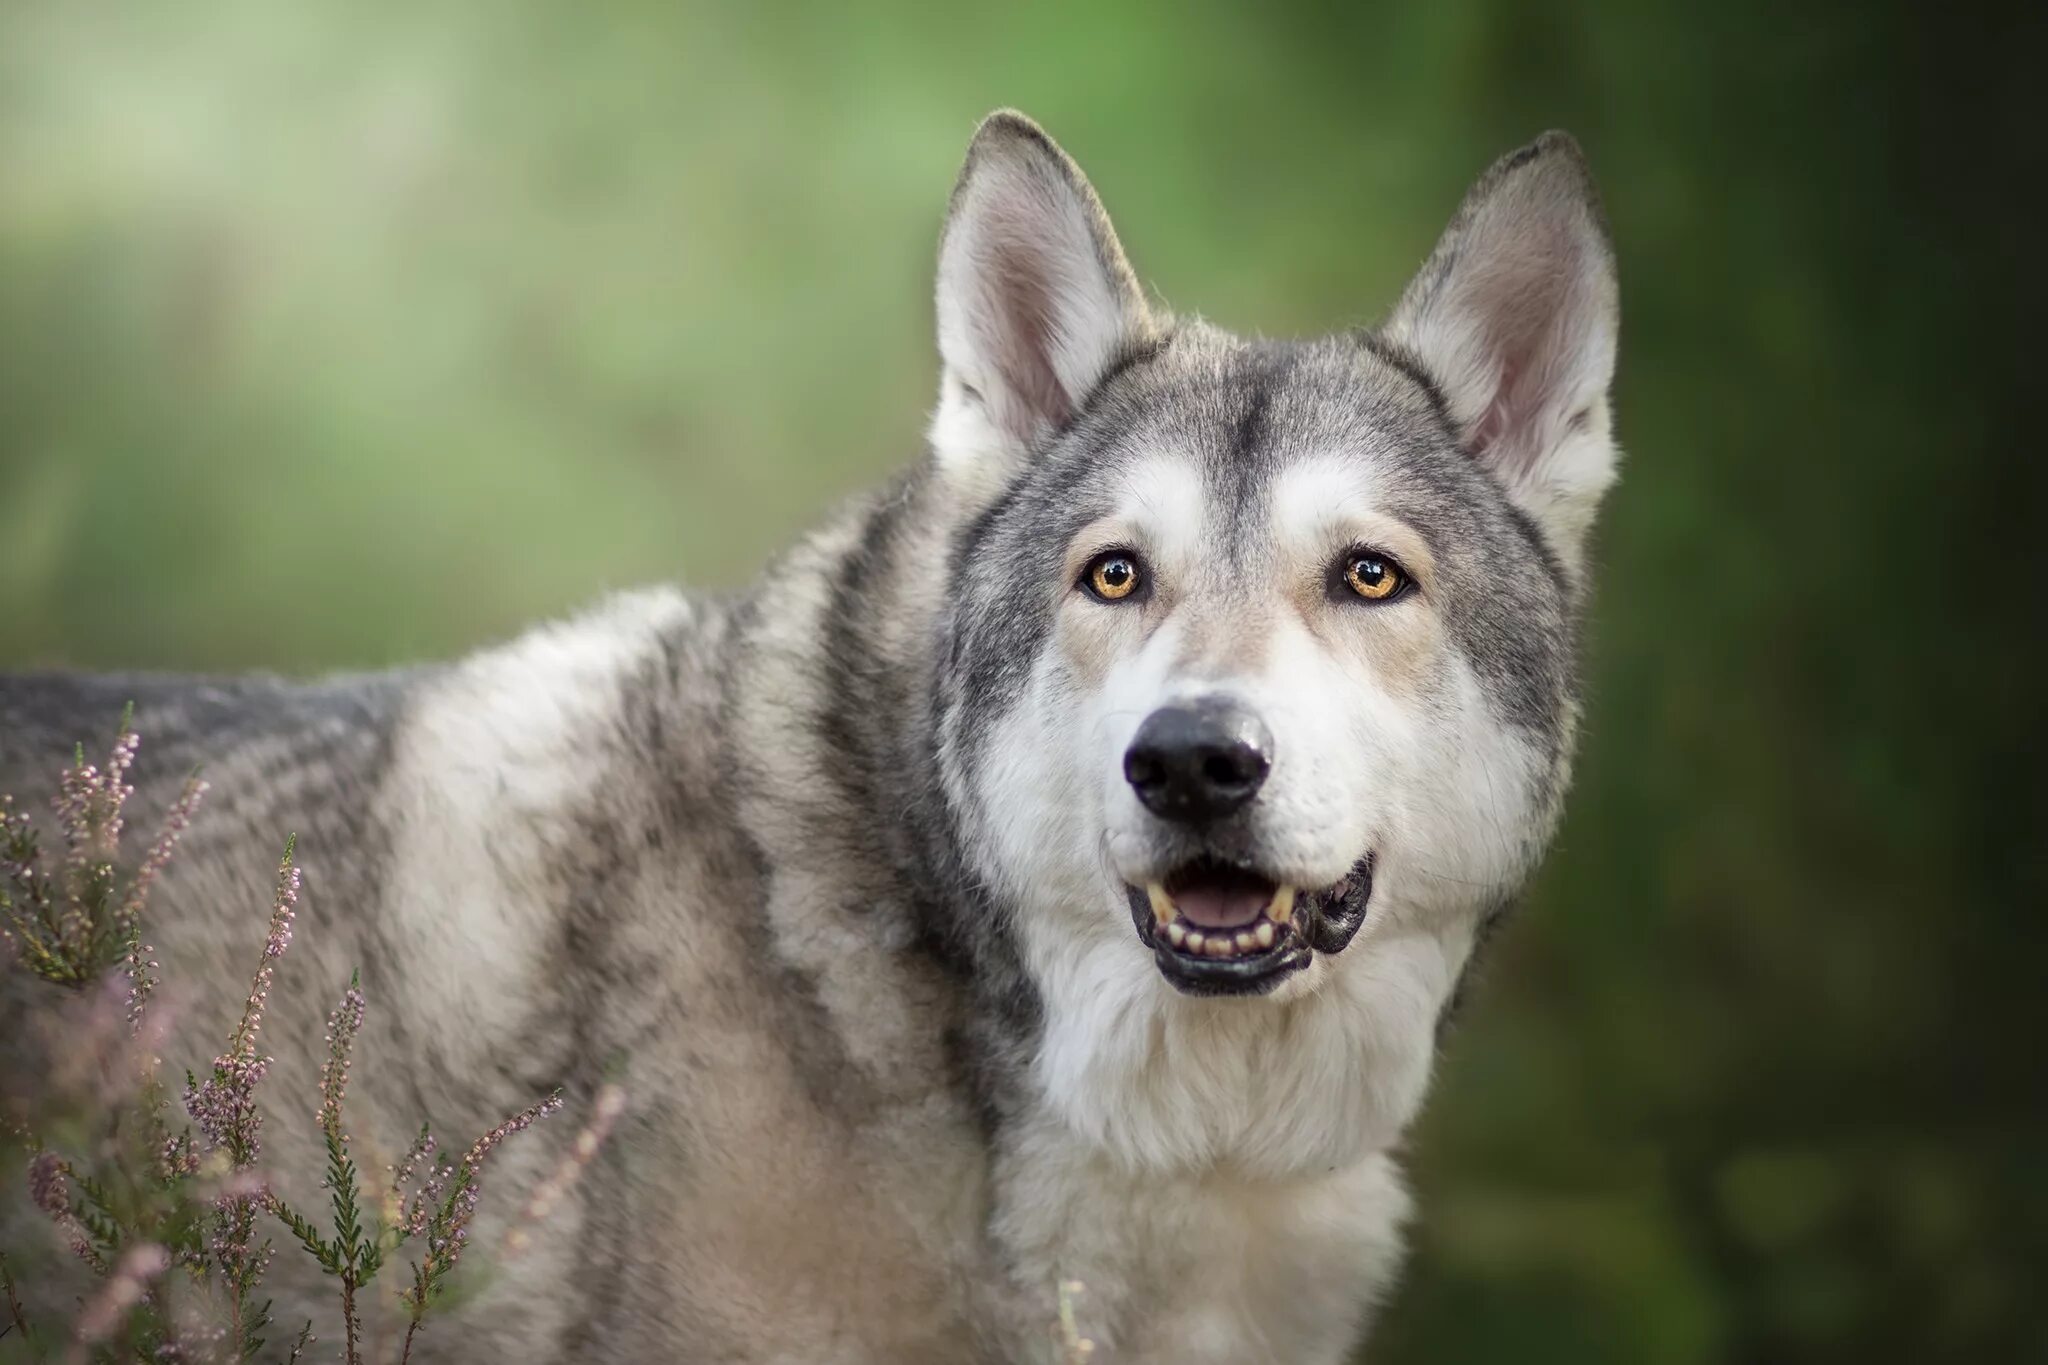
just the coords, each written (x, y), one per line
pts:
(595, 690)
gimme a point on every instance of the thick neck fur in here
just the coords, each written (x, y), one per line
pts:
(841, 773)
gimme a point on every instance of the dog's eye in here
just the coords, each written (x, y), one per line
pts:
(1373, 576)
(1112, 577)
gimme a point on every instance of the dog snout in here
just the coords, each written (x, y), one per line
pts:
(1199, 761)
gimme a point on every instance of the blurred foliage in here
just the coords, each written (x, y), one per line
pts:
(334, 335)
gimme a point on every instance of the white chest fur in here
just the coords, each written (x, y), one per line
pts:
(1214, 1174)
(1201, 1268)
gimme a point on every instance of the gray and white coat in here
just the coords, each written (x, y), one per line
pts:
(851, 880)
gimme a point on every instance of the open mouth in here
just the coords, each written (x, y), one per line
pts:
(1219, 928)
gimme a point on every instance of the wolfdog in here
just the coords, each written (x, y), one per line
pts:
(1053, 872)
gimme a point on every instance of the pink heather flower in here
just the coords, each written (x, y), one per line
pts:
(178, 1158)
(62, 937)
(611, 1102)
(139, 966)
(473, 1165)
(14, 831)
(422, 1148)
(282, 907)
(519, 1122)
(233, 1238)
(176, 821)
(342, 1026)
(77, 798)
(283, 904)
(49, 1189)
(420, 1210)
(76, 803)
(114, 793)
(447, 1240)
(88, 804)
(224, 1106)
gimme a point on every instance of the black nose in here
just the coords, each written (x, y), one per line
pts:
(1199, 761)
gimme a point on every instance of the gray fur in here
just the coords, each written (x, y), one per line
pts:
(739, 852)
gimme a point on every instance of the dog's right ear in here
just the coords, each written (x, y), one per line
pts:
(1516, 316)
(1035, 301)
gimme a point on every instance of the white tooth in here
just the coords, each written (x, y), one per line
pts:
(1195, 940)
(1219, 946)
(1246, 941)
(1265, 934)
(1162, 904)
(1281, 909)
(1177, 934)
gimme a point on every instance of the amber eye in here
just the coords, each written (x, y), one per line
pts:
(1372, 575)
(1113, 576)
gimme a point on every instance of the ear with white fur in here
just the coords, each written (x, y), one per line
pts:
(1035, 300)
(1515, 315)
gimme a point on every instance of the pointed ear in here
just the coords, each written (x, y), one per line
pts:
(1035, 300)
(1515, 315)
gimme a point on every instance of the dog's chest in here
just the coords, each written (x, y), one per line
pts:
(1196, 1268)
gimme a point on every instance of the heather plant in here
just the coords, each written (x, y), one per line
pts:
(172, 1219)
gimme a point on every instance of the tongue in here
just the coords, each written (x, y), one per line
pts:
(1222, 904)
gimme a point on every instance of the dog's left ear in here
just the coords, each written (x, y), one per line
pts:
(1035, 301)
(1515, 315)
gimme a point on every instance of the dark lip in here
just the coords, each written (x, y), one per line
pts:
(1325, 921)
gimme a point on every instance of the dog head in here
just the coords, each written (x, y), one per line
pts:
(1256, 690)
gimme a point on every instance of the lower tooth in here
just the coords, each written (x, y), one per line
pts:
(1195, 940)
(1176, 934)
(1264, 934)
(1247, 941)
(1219, 946)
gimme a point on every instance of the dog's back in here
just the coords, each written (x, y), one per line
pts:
(534, 860)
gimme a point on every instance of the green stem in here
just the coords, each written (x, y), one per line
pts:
(14, 1307)
(348, 1316)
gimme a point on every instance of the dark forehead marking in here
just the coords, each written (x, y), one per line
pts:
(1260, 375)
(1238, 476)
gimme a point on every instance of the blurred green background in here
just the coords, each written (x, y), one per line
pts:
(333, 335)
